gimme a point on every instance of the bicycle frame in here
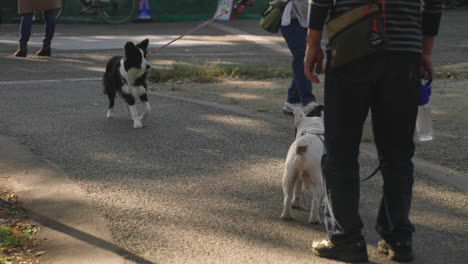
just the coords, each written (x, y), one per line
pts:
(111, 11)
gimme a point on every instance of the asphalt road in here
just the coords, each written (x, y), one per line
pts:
(200, 183)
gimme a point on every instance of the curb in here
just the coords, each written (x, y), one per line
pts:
(458, 66)
(72, 232)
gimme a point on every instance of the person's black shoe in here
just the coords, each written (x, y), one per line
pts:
(399, 251)
(22, 51)
(45, 50)
(350, 252)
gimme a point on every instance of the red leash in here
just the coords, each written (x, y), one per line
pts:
(189, 32)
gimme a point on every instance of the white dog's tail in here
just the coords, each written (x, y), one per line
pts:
(301, 149)
(301, 146)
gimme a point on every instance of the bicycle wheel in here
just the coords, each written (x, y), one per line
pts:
(116, 11)
(450, 3)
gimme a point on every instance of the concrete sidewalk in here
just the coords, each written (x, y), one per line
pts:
(450, 45)
(71, 231)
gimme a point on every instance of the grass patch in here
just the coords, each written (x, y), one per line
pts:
(444, 73)
(17, 235)
(214, 72)
(367, 139)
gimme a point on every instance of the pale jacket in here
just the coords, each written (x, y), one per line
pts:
(296, 9)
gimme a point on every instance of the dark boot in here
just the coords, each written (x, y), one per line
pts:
(22, 51)
(399, 251)
(45, 50)
(355, 252)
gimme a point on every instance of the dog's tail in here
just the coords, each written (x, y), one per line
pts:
(106, 83)
(301, 150)
(299, 159)
(108, 77)
(301, 146)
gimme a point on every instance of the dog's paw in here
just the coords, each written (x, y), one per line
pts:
(143, 118)
(296, 207)
(296, 204)
(287, 217)
(137, 124)
(315, 221)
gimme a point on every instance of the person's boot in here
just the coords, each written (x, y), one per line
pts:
(22, 51)
(353, 252)
(45, 50)
(398, 251)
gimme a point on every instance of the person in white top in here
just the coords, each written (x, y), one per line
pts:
(294, 30)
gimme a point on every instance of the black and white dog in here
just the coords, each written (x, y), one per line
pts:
(127, 77)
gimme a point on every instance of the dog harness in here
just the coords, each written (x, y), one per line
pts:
(320, 135)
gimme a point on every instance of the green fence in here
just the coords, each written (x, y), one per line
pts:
(161, 10)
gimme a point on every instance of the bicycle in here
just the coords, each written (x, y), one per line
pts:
(112, 11)
(452, 3)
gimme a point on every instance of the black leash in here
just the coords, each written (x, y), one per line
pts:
(372, 175)
(321, 135)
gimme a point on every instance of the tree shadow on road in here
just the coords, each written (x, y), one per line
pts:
(197, 182)
(85, 237)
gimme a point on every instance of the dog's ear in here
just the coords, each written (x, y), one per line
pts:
(130, 51)
(317, 111)
(144, 45)
(298, 115)
(129, 48)
(322, 111)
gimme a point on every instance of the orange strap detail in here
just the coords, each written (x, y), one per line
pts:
(384, 17)
(366, 11)
(375, 28)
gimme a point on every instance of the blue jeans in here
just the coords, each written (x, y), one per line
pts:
(26, 25)
(300, 90)
(387, 84)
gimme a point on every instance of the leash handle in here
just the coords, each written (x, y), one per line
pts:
(189, 32)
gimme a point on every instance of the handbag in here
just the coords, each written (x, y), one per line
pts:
(271, 17)
(355, 35)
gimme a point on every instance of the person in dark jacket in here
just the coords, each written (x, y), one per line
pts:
(388, 84)
(26, 9)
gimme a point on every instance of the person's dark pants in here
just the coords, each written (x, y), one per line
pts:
(300, 90)
(26, 25)
(388, 84)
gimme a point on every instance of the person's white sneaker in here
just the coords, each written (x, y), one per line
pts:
(309, 107)
(288, 108)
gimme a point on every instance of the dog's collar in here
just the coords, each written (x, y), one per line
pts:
(312, 133)
(320, 135)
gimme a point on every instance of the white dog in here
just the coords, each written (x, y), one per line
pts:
(303, 163)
